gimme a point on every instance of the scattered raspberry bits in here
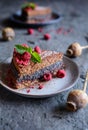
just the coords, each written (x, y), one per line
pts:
(28, 90)
(59, 30)
(37, 49)
(61, 73)
(47, 36)
(25, 45)
(32, 87)
(40, 87)
(47, 76)
(30, 31)
(64, 31)
(40, 29)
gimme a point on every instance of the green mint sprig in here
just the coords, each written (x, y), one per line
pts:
(30, 5)
(35, 57)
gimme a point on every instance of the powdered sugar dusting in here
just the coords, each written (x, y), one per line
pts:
(47, 53)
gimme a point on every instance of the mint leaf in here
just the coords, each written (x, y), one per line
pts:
(30, 5)
(29, 50)
(20, 49)
(35, 57)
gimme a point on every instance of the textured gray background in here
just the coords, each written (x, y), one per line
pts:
(19, 113)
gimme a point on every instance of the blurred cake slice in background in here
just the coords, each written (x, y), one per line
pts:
(32, 13)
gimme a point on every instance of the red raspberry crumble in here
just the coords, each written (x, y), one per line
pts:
(28, 90)
(60, 30)
(24, 58)
(47, 36)
(47, 76)
(30, 31)
(31, 86)
(25, 45)
(27, 9)
(40, 87)
(37, 49)
(40, 29)
(61, 73)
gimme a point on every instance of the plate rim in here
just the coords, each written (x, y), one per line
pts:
(17, 13)
(43, 95)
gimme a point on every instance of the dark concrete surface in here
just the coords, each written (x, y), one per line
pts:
(19, 113)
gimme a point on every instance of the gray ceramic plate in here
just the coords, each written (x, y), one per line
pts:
(16, 19)
(51, 88)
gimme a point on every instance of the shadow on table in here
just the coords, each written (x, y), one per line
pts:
(8, 23)
(60, 111)
(8, 96)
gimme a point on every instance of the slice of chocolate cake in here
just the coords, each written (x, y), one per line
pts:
(32, 13)
(28, 67)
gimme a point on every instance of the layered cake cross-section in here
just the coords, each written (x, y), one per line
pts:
(33, 66)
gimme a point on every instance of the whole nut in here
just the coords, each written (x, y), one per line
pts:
(8, 33)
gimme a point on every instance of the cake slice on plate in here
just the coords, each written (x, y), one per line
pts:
(31, 66)
(32, 13)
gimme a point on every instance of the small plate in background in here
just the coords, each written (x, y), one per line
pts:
(16, 18)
